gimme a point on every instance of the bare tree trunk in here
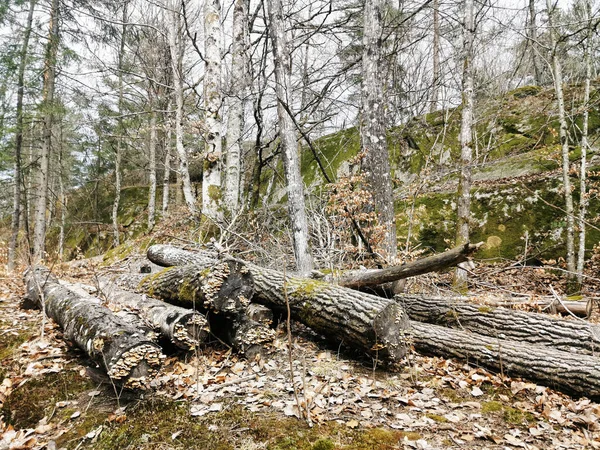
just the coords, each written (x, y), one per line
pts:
(167, 163)
(120, 130)
(532, 35)
(177, 49)
(466, 141)
(235, 122)
(211, 173)
(375, 162)
(152, 169)
(583, 197)
(62, 198)
(39, 234)
(18, 170)
(291, 163)
(437, 75)
(564, 140)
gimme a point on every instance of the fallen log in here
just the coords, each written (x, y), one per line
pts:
(358, 279)
(130, 360)
(220, 291)
(525, 327)
(362, 321)
(550, 305)
(183, 327)
(568, 372)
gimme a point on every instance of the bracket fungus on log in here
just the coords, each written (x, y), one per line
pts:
(129, 358)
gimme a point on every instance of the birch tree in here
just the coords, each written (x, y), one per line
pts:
(50, 59)
(177, 51)
(466, 139)
(375, 163)
(19, 131)
(564, 139)
(211, 173)
(237, 92)
(287, 136)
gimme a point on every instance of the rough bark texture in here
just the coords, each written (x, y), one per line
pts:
(39, 233)
(525, 327)
(224, 287)
(359, 279)
(211, 173)
(185, 328)
(176, 48)
(533, 43)
(463, 211)
(356, 319)
(572, 373)
(375, 163)
(128, 357)
(435, 88)
(287, 136)
(564, 140)
(19, 131)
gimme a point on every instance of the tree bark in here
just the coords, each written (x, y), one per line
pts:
(185, 328)
(361, 321)
(50, 60)
(235, 120)
(167, 161)
(363, 278)
(572, 373)
(152, 167)
(533, 43)
(463, 212)
(564, 140)
(525, 327)
(18, 168)
(583, 196)
(128, 357)
(437, 73)
(177, 49)
(375, 162)
(211, 173)
(287, 136)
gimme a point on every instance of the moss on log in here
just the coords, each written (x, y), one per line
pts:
(129, 358)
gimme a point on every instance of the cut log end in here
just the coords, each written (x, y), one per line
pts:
(190, 331)
(390, 327)
(136, 367)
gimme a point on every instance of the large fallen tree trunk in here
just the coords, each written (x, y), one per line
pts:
(220, 289)
(359, 320)
(572, 373)
(525, 327)
(183, 327)
(362, 278)
(129, 359)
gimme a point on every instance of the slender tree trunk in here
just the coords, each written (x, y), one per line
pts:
(211, 173)
(39, 233)
(167, 165)
(62, 199)
(18, 174)
(532, 35)
(152, 168)
(120, 131)
(466, 141)
(375, 161)
(564, 140)
(436, 57)
(583, 198)
(177, 49)
(235, 122)
(291, 163)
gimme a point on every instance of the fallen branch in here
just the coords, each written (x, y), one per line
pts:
(129, 359)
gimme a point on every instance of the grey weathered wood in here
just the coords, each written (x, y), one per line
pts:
(361, 278)
(129, 358)
(569, 372)
(184, 327)
(575, 336)
(361, 321)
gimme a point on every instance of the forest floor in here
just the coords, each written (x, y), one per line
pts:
(51, 397)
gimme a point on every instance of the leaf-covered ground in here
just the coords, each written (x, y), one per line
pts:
(50, 397)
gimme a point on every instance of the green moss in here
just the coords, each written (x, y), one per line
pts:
(215, 193)
(516, 417)
(490, 407)
(526, 91)
(10, 342)
(30, 402)
(485, 309)
(323, 444)
(436, 417)
(305, 288)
